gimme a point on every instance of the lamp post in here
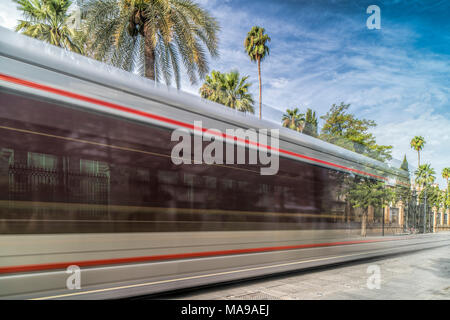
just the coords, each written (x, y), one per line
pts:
(425, 213)
(414, 207)
(405, 217)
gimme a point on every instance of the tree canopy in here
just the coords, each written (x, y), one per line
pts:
(311, 123)
(446, 175)
(344, 129)
(425, 175)
(366, 192)
(417, 143)
(47, 20)
(228, 89)
(405, 165)
(152, 37)
(293, 119)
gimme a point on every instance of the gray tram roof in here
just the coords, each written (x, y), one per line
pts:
(35, 52)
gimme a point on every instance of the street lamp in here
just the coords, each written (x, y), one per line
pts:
(425, 212)
(405, 216)
(414, 207)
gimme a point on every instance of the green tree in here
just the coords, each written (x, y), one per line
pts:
(228, 89)
(446, 175)
(404, 165)
(47, 20)
(311, 123)
(365, 192)
(425, 175)
(294, 120)
(345, 130)
(401, 193)
(212, 88)
(434, 196)
(417, 143)
(446, 199)
(152, 37)
(255, 45)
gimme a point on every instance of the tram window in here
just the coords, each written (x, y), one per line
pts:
(141, 174)
(6, 161)
(189, 181)
(94, 167)
(264, 188)
(211, 182)
(42, 160)
(167, 177)
(7, 156)
(278, 189)
(243, 185)
(227, 184)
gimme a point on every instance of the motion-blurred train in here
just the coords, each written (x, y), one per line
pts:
(87, 180)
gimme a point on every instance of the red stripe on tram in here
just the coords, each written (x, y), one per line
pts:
(110, 105)
(177, 256)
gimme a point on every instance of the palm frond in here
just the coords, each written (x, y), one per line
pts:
(176, 31)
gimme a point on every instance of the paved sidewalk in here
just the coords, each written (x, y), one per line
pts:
(420, 275)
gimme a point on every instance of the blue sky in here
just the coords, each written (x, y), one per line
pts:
(322, 53)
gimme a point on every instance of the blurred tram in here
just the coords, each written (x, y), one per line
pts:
(86, 179)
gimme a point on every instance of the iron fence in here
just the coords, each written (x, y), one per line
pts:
(40, 184)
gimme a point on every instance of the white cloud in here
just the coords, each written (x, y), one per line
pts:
(433, 127)
(8, 14)
(279, 83)
(404, 90)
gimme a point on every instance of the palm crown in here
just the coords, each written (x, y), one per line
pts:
(417, 143)
(294, 120)
(152, 37)
(47, 20)
(255, 45)
(425, 175)
(446, 174)
(228, 89)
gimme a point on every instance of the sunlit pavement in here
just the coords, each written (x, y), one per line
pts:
(419, 275)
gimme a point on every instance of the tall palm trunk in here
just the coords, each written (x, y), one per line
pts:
(260, 89)
(418, 159)
(149, 55)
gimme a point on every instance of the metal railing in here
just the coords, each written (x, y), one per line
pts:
(40, 184)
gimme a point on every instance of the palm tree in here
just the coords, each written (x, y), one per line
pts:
(47, 20)
(294, 120)
(212, 88)
(417, 143)
(425, 175)
(152, 37)
(446, 175)
(311, 123)
(256, 47)
(228, 89)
